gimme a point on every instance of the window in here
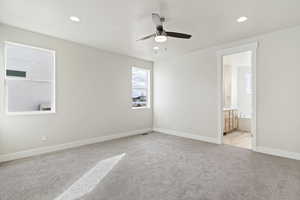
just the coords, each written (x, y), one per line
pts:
(29, 78)
(140, 88)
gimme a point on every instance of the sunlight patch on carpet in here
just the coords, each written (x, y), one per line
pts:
(87, 182)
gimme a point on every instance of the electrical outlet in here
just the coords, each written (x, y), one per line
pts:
(44, 138)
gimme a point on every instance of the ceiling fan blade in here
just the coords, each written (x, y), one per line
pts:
(178, 35)
(147, 37)
(156, 19)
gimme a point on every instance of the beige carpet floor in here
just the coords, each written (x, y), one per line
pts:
(151, 167)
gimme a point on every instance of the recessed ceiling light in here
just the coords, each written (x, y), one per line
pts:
(74, 19)
(155, 48)
(242, 19)
(160, 38)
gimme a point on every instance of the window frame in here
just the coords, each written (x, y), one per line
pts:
(148, 106)
(52, 82)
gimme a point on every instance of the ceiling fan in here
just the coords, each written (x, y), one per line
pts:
(161, 35)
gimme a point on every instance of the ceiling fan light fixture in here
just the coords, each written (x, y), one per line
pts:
(160, 38)
(160, 34)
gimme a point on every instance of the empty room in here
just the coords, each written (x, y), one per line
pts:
(149, 100)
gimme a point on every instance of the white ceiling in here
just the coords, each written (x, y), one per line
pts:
(114, 25)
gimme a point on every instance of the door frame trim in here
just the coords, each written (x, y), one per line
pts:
(228, 51)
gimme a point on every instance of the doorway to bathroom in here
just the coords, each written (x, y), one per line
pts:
(238, 97)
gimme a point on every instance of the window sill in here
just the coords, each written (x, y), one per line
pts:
(138, 108)
(30, 113)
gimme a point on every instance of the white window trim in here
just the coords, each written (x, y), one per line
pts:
(53, 81)
(148, 106)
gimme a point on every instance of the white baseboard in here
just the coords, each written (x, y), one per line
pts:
(48, 149)
(278, 152)
(265, 150)
(187, 135)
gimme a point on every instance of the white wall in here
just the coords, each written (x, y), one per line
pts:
(93, 96)
(244, 97)
(186, 93)
(236, 68)
(185, 90)
(228, 90)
